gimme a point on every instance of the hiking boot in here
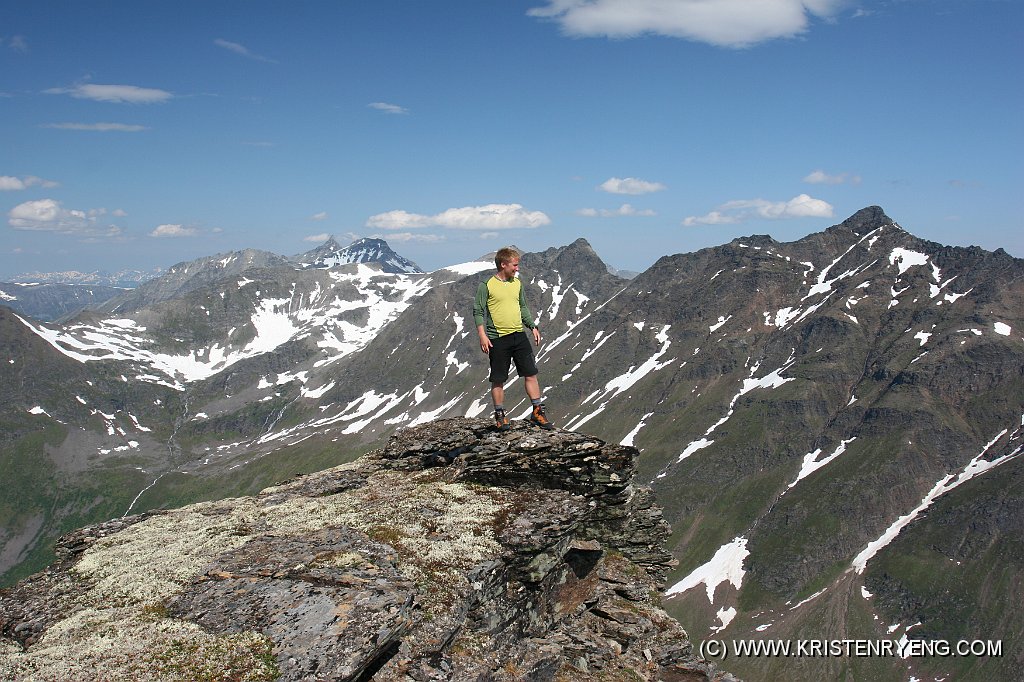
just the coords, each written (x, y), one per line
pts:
(540, 419)
(501, 421)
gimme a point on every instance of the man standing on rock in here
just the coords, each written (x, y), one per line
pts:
(502, 317)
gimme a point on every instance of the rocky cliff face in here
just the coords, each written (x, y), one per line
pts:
(452, 553)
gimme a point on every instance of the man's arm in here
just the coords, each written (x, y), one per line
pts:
(524, 312)
(479, 316)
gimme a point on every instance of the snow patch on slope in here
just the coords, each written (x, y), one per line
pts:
(274, 322)
(725, 566)
(973, 468)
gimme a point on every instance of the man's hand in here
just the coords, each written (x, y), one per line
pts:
(485, 343)
(536, 336)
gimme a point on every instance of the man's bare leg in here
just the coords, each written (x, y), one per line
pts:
(532, 387)
(498, 393)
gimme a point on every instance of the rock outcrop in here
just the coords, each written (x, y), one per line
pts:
(452, 553)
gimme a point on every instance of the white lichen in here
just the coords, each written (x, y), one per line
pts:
(124, 644)
(115, 627)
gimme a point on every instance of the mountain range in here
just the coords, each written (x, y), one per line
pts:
(58, 296)
(122, 279)
(832, 425)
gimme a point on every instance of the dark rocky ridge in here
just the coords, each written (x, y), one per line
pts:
(452, 553)
(189, 276)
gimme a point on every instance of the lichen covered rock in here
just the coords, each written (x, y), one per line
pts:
(452, 553)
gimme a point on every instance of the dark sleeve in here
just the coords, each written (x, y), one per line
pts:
(524, 310)
(480, 304)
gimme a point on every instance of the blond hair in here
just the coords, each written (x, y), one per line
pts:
(505, 255)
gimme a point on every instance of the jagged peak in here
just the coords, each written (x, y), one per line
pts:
(867, 219)
(579, 256)
(582, 243)
(760, 240)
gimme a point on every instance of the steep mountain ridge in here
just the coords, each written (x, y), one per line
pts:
(203, 273)
(792, 402)
(183, 278)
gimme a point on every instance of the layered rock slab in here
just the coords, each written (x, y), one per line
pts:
(452, 553)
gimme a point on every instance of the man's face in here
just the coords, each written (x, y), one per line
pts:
(509, 268)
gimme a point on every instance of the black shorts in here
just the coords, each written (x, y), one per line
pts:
(513, 347)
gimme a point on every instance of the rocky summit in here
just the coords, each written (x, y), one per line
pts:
(451, 553)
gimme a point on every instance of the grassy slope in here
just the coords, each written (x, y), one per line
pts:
(32, 488)
(314, 454)
(958, 571)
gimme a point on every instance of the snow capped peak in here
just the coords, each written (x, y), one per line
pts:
(366, 250)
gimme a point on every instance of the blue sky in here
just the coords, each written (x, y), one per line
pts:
(142, 134)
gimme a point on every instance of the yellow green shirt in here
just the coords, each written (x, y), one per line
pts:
(501, 307)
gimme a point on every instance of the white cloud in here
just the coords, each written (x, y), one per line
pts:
(388, 108)
(800, 206)
(726, 23)
(119, 212)
(624, 210)
(10, 183)
(322, 215)
(489, 217)
(168, 230)
(820, 177)
(398, 220)
(488, 235)
(241, 49)
(630, 186)
(409, 237)
(101, 127)
(712, 218)
(47, 215)
(120, 94)
(318, 238)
